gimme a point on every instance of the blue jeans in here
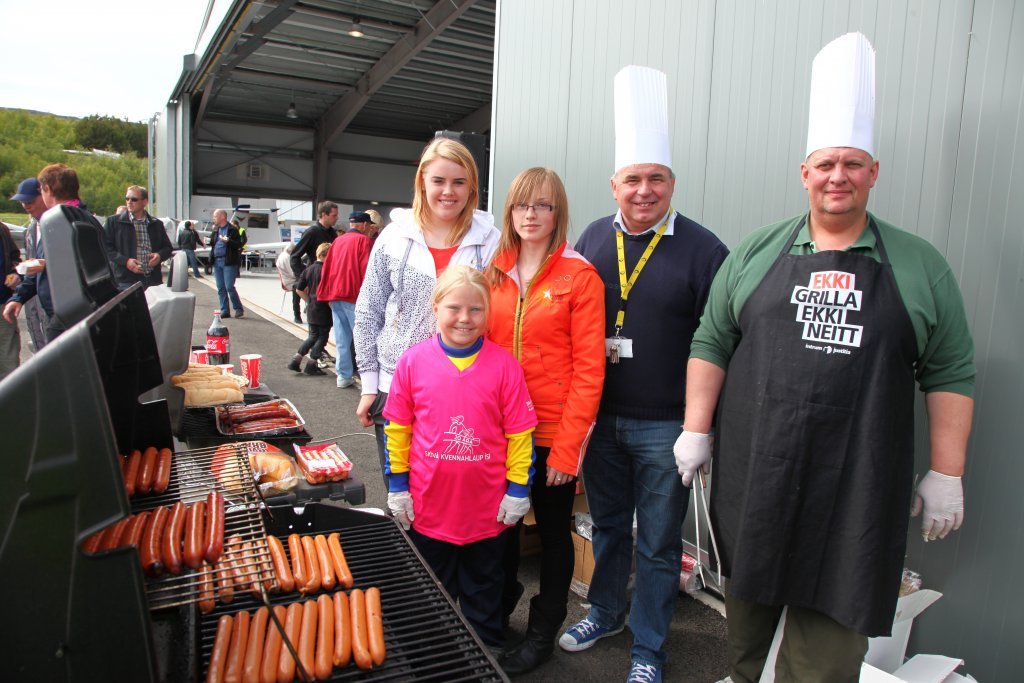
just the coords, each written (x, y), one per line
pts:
(225, 277)
(629, 466)
(193, 261)
(344, 320)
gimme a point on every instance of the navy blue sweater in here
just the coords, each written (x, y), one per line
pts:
(663, 312)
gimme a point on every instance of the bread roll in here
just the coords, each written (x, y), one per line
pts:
(202, 396)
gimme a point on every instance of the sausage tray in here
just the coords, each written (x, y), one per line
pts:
(225, 429)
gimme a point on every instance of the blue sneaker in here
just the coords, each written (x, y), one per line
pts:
(584, 634)
(644, 673)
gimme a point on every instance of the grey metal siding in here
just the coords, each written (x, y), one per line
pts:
(949, 131)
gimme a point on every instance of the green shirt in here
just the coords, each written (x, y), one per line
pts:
(927, 286)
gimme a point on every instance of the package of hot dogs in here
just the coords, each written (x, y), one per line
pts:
(322, 463)
(269, 418)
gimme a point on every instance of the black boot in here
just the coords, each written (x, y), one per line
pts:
(537, 647)
(313, 367)
(296, 364)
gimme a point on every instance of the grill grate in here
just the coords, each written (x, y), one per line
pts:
(426, 638)
(192, 478)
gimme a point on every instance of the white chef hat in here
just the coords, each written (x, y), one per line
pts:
(842, 111)
(641, 117)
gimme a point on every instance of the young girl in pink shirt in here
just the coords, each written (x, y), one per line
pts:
(460, 449)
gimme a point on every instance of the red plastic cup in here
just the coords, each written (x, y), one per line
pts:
(199, 356)
(251, 363)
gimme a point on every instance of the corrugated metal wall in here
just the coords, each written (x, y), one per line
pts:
(950, 133)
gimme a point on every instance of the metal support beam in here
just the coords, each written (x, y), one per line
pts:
(477, 122)
(440, 16)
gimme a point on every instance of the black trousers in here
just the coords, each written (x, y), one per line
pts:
(473, 576)
(377, 413)
(316, 340)
(296, 305)
(552, 506)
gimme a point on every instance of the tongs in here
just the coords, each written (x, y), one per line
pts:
(711, 532)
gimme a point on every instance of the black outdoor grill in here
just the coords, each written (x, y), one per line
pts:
(69, 412)
(426, 638)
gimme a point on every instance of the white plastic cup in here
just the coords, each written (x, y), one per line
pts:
(226, 368)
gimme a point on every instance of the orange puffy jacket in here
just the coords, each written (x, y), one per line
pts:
(557, 334)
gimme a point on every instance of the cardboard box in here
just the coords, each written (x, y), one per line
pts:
(887, 654)
(583, 568)
(884, 654)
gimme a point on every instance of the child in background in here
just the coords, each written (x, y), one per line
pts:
(460, 449)
(318, 314)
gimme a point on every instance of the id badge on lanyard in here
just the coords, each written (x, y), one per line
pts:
(617, 346)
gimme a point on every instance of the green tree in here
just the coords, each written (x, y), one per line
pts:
(108, 133)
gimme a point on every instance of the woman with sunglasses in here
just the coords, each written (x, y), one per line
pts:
(547, 309)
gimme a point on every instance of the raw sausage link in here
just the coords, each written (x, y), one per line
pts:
(272, 647)
(144, 484)
(312, 566)
(215, 671)
(341, 569)
(206, 601)
(162, 476)
(254, 649)
(133, 534)
(233, 553)
(214, 536)
(324, 638)
(292, 626)
(375, 626)
(112, 534)
(236, 653)
(323, 554)
(131, 474)
(173, 537)
(307, 637)
(225, 582)
(360, 638)
(285, 580)
(342, 630)
(194, 529)
(298, 560)
(152, 562)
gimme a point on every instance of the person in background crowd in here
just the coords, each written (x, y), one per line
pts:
(393, 309)
(284, 272)
(121, 209)
(317, 312)
(10, 337)
(663, 264)
(377, 221)
(226, 253)
(58, 185)
(459, 394)
(547, 309)
(32, 201)
(340, 282)
(321, 232)
(136, 242)
(814, 333)
(187, 242)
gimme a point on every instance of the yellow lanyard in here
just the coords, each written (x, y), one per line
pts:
(626, 285)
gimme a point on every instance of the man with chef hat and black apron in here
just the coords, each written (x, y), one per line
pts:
(814, 334)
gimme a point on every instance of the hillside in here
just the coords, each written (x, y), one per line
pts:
(31, 140)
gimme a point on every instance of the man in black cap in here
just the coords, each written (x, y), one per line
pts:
(31, 200)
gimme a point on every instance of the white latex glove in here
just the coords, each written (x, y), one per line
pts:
(400, 504)
(512, 509)
(942, 497)
(692, 451)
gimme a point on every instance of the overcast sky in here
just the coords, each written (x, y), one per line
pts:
(110, 57)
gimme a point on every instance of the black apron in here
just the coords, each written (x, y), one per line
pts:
(814, 455)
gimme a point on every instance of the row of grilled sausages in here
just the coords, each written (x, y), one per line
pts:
(169, 538)
(326, 633)
(316, 562)
(146, 471)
